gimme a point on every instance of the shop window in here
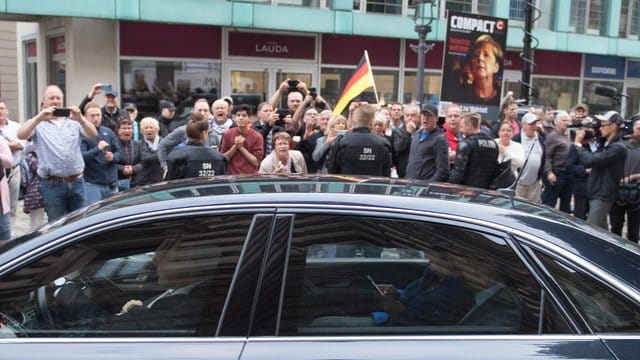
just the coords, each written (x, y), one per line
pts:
(30, 79)
(599, 104)
(629, 19)
(482, 7)
(431, 86)
(558, 93)
(146, 82)
(586, 16)
(333, 80)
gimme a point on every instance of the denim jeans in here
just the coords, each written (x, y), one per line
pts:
(62, 198)
(5, 228)
(97, 192)
(124, 184)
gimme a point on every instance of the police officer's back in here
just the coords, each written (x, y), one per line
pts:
(476, 156)
(195, 159)
(359, 152)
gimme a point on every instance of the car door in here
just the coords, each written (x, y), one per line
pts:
(155, 289)
(383, 285)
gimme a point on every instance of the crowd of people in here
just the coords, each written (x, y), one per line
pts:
(91, 151)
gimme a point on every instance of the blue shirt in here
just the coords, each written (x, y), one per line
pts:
(58, 148)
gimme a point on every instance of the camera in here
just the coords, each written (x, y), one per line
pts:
(590, 125)
(61, 112)
(282, 113)
(626, 128)
(313, 92)
(293, 85)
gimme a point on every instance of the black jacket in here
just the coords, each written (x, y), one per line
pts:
(359, 152)
(476, 161)
(108, 119)
(429, 158)
(607, 168)
(194, 160)
(147, 168)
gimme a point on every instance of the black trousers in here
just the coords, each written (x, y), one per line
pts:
(616, 218)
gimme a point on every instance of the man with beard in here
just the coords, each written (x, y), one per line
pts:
(428, 155)
(110, 111)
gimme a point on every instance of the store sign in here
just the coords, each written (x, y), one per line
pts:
(604, 67)
(268, 45)
(633, 69)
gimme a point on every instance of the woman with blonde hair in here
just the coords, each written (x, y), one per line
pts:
(337, 126)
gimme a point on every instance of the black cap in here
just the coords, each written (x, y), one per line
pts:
(166, 104)
(130, 106)
(429, 109)
(111, 93)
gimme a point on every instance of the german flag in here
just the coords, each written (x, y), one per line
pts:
(359, 82)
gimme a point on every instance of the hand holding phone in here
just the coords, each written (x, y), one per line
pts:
(106, 87)
(61, 112)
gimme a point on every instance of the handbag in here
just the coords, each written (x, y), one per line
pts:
(503, 176)
(629, 194)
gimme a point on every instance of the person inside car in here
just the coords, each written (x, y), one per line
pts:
(438, 297)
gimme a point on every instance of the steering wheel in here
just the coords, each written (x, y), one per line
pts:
(43, 299)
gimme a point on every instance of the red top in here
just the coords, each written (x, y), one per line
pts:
(253, 142)
(451, 138)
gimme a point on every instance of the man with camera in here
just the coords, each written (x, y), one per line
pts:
(296, 91)
(607, 167)
(55, 132)
(101, 155)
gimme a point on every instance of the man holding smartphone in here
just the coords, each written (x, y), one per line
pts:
(57, 143)
(111, 113)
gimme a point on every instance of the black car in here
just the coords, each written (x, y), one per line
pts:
(318, 267)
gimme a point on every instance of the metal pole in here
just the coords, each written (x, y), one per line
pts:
(422, 46)
(527, 54)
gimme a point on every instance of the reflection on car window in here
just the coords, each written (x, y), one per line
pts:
(359, 275)
(603, 308)
(166, 278)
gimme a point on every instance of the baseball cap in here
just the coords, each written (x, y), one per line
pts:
(429, 109)
(111, 93)
(228, 99)
(130, 106)
(583, 106)
(166, 104)
(611, 116)
(529, 118)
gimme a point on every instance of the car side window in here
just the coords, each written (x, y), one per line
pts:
(365, 275)
(604, 309)
(161, 278)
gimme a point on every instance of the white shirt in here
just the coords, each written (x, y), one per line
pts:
(10, 133)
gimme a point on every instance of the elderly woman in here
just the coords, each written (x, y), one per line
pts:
(337, 125)
(282, 160)
(508, 149)
(147, 170)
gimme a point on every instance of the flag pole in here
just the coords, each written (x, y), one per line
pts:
(375, 90)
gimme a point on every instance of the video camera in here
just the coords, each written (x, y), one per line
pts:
(591, 125)
(626, 128)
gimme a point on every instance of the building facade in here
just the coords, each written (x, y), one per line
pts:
(154, 49)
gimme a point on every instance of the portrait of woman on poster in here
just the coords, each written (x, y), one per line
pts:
(482, 71)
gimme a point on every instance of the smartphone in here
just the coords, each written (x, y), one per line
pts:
(313, 92)
(293, 85)
(375, 285)
(106, 87)
(341, 132)
(61, 112)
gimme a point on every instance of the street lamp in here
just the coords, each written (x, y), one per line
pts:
(423, 27)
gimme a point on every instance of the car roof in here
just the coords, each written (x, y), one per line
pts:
(487, 208)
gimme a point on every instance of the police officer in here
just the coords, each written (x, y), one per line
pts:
(360, 152)
(195, 159)
(476, 156)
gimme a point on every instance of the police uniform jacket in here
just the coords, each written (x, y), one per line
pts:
(359, 152)
(195, 160)
(476, 161)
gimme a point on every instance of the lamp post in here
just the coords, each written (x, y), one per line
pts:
(423, 27)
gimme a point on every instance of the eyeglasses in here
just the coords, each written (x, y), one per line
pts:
(131, 110)
(607, 124)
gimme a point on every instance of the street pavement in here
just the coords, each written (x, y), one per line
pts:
(22, 224)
